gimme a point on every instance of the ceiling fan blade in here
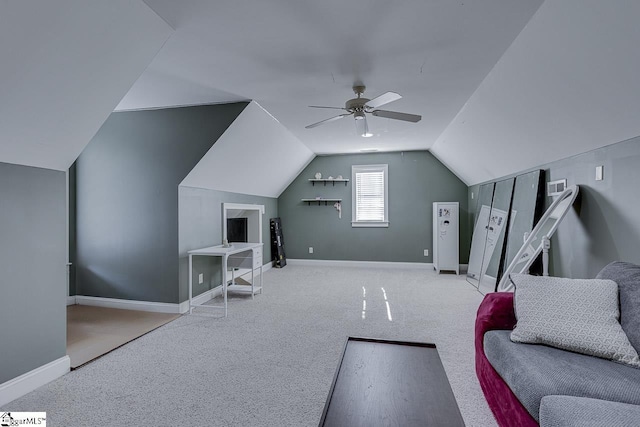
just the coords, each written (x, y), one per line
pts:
(331, 119)
(385, 98)
(414, 118)
(333, 108)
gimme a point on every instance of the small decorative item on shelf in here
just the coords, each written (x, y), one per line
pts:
(318, 198)
(339, 177)
(318, 175)
(338, 207)
(330, 177)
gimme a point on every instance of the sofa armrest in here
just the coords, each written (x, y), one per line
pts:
(496, 312)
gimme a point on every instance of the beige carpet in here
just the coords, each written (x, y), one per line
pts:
(94, 331)
(271, 362)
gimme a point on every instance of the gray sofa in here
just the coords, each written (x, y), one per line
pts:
(562, 388)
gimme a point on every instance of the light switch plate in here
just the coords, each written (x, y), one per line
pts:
(599, 173)
(200, 278)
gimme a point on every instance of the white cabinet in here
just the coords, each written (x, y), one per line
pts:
(446, 236)
(257, 257)
(246, 261)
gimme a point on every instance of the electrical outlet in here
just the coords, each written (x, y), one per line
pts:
(310, 249)
(426, 252)
(200, 278)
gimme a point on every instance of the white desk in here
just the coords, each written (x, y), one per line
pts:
(253, 253)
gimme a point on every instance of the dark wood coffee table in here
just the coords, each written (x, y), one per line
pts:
(390, 383)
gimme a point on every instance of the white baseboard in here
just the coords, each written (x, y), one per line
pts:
(31, 380)
(71, 300)
(125, 304)
(369, 264)
(156, 307)
(201, 299)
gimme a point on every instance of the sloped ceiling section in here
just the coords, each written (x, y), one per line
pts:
(287, 55)
(256, 155)
(569, 83)
(65, 66)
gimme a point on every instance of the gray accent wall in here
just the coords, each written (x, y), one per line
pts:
(604, 224)
(200, 225)
(33, 283)
(416, 180)
(127, 182)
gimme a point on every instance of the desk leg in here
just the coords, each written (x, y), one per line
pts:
(190, 283)
(224, 282)
(253, 280)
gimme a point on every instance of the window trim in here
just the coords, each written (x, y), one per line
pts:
(355, 169)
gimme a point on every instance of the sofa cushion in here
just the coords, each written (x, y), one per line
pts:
(627, 276)
(533, 371)
(578, 315)
(570, 411)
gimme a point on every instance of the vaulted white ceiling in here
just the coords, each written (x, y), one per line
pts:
(287, 55)
(65, 65)
(502, 85)
(568, 84)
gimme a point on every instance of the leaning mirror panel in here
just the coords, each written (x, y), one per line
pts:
(506, 212)
(480, 229)
(499, 218)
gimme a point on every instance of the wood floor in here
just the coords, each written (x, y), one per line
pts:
(95, 331)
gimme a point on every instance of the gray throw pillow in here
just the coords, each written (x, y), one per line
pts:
(578, 315)
(627, 276)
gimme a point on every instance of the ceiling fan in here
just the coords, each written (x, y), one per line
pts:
(357, 107)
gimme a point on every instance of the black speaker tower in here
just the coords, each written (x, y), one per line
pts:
(278, 256)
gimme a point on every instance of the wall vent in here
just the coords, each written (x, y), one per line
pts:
(555, 188)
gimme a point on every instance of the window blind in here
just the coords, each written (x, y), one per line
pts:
(370, 196)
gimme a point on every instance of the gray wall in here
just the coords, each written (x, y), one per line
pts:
(416, 180)
(72, 229)
(604, 225)
(127, 198)
(33, 280)
(200, 225)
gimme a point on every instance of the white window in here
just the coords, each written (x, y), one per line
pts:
(370, 196)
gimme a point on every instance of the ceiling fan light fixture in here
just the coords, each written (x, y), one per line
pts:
(361, 124)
